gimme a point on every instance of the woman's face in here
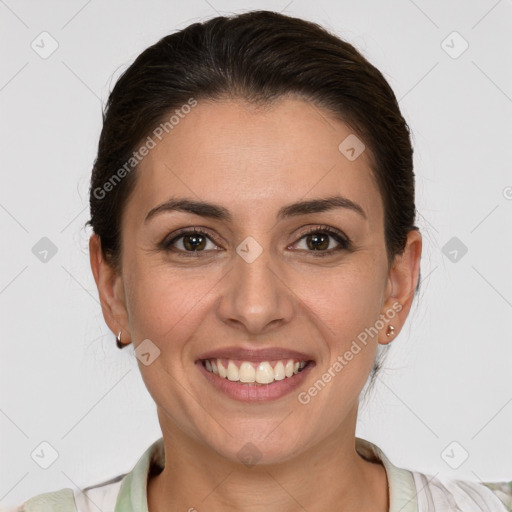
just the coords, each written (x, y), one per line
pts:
(254, 280)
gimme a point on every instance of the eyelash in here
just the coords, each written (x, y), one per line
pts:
(343, 241)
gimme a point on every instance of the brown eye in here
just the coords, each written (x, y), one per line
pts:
(192, 240)
(320, 240)
(317, 241)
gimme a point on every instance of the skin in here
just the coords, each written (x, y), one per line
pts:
(254, 161)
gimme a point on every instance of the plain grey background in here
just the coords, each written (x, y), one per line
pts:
(446, 391)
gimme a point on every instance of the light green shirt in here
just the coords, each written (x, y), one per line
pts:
(409, 491)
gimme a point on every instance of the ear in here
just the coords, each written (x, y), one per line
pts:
(110, 289)
(401, 285)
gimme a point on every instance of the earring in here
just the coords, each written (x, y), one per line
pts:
(118, 341)
(390, 331)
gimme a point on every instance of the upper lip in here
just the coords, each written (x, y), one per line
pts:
(255, 354)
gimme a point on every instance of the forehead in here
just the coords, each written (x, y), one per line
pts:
(246, 158)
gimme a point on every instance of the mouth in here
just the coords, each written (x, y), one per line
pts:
(263, 372)
(250, 375)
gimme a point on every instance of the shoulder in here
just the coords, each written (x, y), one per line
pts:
(414, 491)
(503, 490)
(445, 493)
(101, 496)
(62, 501)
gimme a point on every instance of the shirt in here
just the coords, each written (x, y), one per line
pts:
(409, 491)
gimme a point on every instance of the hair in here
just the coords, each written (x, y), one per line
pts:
(260, 57)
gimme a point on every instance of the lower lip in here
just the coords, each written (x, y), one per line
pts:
(252, 392)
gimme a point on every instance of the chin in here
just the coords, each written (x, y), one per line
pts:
(254, 448)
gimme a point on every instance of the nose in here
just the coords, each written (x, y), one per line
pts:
(256, 298)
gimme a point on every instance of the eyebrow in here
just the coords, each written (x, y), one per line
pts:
(214, 211)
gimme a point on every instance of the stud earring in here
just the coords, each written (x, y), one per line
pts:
(390, 331)
(118, 341)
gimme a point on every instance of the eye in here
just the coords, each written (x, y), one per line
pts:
(318, 240)
(189, 240)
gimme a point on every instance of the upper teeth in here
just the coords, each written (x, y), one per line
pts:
(261, 372)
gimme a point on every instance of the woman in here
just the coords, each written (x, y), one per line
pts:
(253, 211)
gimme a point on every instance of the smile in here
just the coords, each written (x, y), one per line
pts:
(255, 381)
(263, 372)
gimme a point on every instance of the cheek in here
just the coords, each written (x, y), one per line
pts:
(346, 304)
(346, 300)
(168, 304)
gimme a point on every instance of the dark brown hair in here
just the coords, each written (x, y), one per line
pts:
(258, 56)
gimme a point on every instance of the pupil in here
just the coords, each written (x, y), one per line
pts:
(316, 238)
(194, 241)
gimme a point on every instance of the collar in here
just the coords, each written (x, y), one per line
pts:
(401, 486)
(132, 495)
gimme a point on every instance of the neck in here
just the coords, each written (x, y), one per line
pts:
(330, 476)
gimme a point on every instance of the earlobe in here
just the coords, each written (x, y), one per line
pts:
(110, 288)
(401, 286)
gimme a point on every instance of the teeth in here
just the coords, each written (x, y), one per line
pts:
(247, 373)
(288, 369)
(232, 371)
(261, 373)
(222, 371)
(279, 371)
(264, 373)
